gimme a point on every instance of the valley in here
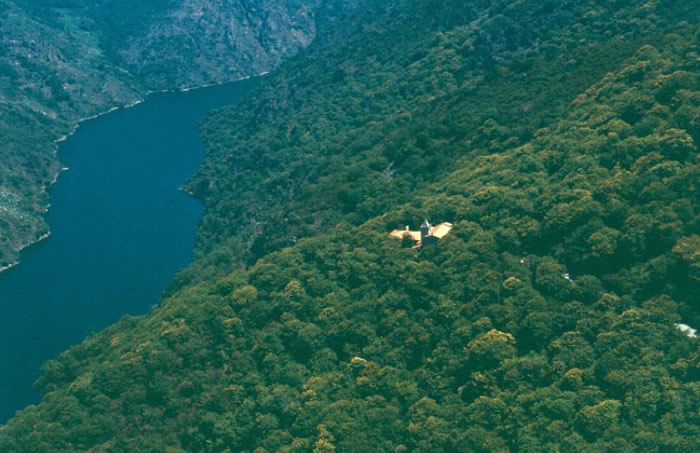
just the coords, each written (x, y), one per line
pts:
(559, 141)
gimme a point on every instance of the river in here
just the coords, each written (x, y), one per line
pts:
(120, 230)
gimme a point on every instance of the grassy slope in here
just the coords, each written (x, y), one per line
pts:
(347, 341)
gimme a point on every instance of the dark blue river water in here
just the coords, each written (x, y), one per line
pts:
(120, 232)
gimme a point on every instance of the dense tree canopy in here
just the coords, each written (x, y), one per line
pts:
(560, 138)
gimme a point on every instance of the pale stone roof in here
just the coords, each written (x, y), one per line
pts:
(442, 230)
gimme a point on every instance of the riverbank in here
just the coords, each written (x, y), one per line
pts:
(120, 231)
(57, 142)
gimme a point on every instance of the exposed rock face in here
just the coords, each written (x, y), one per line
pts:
(201, 41)
(49, 78)
(63, 61)
(58, 73)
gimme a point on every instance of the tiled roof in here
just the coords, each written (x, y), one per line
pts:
(415, 235)
(439, 231)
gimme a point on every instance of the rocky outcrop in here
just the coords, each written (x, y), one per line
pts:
(201, 41)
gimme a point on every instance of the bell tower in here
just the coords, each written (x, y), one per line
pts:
(424, 229)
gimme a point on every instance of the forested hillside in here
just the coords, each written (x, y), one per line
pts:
(418, 85)
(65, 60)
(560, 138)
